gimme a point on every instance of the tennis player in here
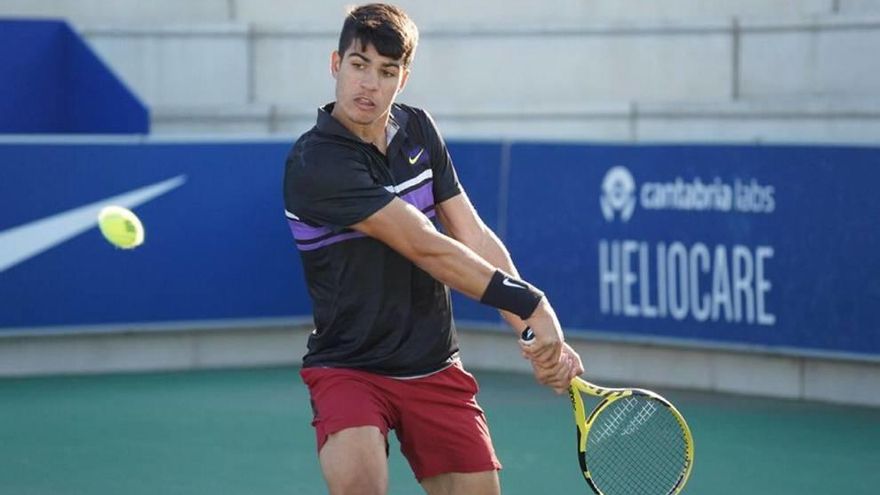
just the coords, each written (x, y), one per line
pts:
(362, 189)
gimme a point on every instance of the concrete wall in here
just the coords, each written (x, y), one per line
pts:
(584, 70)
(832, 57)
(735, 122)
(201, 65)
(228, 119)
(697, 80)
(827, 380)
(519, 69)
(428, 13)
(857, 6)
(121, 11)
(459, 13)
(807, 121)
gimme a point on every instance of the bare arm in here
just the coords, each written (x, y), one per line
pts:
(557, 363)
(462, 222)
(406, 230)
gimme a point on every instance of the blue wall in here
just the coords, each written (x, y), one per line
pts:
(770, 246)
(766, 246)
(216, 247)
(53, 83)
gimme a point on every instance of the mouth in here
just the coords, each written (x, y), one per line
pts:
(364, 103)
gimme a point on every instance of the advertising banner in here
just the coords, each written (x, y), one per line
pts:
(772, 247)
(767, 247)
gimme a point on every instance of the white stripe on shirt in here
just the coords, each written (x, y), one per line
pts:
(427, 174)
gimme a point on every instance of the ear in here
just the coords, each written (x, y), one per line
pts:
(403, 81)
(335, 63)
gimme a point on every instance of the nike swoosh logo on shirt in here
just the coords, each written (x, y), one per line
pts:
(21, 243)
(414, 159)
(513, 284)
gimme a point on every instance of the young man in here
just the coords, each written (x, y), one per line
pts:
(361, 188)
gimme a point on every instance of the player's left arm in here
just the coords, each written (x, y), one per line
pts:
(458, 216)
(462, 222)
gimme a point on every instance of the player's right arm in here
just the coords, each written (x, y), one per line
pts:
(406, 230)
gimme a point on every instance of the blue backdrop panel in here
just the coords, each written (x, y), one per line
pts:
(53, 83)
(31, 89)
(774, 247)
(768, 246)
(216, 247)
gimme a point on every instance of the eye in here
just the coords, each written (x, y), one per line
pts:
(388, 73)
(357, 65)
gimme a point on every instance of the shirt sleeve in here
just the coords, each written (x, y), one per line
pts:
(446, 183)
(332, 186)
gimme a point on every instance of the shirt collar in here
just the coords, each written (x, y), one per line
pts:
(327, 123)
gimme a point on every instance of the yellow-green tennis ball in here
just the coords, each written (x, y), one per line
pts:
(121, 227)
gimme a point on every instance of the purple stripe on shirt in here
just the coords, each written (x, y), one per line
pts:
(421, 197)
(303, 232)
(330, 240)
(309, 238)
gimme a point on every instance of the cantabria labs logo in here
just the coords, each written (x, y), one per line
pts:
(693, 194)
(618, 194)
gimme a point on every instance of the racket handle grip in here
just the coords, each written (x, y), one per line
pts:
(527, 335)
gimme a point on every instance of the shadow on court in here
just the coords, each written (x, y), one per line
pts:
(248, 432)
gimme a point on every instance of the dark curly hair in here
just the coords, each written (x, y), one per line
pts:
(386, 27)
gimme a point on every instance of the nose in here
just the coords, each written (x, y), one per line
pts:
(369, 80)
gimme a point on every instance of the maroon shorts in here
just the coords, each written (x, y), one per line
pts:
(436, 418)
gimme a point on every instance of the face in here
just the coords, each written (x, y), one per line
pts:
(366, 85)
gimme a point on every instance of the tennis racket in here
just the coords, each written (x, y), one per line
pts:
(633, 443)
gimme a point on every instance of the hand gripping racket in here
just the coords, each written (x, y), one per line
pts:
(633, 443)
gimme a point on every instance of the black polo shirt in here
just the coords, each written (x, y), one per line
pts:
(374, 309)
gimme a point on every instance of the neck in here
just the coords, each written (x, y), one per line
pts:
(374, 132)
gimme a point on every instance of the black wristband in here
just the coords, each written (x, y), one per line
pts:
(511, 294)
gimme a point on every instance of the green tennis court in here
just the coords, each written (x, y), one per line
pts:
(247, 432)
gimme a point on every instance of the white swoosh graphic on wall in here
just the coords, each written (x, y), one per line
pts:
(21, 243)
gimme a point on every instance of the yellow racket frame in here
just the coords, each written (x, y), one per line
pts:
(609, 396)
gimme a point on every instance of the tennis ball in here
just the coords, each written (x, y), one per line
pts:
(121, 227)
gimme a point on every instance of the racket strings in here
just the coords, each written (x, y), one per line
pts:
(620, 471)
(636, 447)
(642, 467)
